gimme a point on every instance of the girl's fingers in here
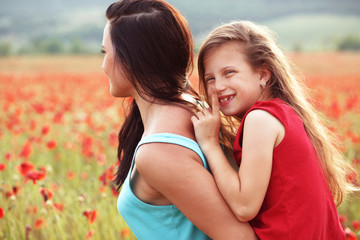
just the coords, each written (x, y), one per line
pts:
(214, 99)
(199, 115)
(206, 111)
(194, 118)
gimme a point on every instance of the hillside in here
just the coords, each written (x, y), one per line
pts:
(61, 25)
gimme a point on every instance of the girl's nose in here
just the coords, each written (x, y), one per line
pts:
(220, 85)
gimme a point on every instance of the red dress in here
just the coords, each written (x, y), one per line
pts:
(298, 203)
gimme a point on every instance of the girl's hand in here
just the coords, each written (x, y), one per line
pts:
(207, 123)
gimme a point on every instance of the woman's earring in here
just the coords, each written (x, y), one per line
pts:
(263, 84)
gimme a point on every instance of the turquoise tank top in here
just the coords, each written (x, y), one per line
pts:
(148, 221)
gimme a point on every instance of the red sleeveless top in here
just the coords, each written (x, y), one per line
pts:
(298, 203)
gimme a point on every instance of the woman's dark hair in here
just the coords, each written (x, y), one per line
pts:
(153, 45)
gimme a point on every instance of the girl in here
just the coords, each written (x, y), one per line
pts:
(289, 170)
(167, 191)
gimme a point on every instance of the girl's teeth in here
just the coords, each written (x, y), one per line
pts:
(225, 99)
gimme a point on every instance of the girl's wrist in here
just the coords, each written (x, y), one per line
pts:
(210, 147)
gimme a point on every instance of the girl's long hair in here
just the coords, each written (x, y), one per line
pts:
(153, 46)
(261, 51)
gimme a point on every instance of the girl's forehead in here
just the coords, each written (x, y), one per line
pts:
(223, 52)
(227, 47)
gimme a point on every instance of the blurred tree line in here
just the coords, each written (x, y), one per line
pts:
(349, 43)
(46, 46)
(77, 46)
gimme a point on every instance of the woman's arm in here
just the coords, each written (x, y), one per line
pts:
(178, 174)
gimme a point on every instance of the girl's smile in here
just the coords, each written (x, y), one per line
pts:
(238, 85)
(224, 100)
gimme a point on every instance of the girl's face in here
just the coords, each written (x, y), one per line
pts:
(237, 84)
(120, 86)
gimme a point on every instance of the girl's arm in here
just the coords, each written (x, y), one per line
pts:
(245, 190)
(178, 174)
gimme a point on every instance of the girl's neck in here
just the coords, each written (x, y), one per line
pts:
(266, 95)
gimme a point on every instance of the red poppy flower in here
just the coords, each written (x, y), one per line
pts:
(102, 178)
(59, 206)
(89, 234)
(32, 125)
(350, 235)
(54, 186)
(113, 139)
(13, 192)
(335, 110)
(351, 102)
(32, 210)
(101, 159)
(35, 176)
(84, 175)
(2, 166)
(2, 212)
(87, 145)
(39, 223)
(25, 167)
(8, 156)
(90, 215)
(45, 130)
(46, 193)
(51, 144)
(108, 175)
(26, 150)
(102, 189)
(70, 175)
(343, 220)
(114, 192)
(39, 108)
(356, 225)
(356, 161)
(16, 189)
(352, 177)
(58, 117)
(125, 232)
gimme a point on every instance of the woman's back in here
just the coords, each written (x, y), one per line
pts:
(148, 52)
(149, 221)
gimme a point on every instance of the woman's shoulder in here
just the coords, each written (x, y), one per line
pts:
(161, 158)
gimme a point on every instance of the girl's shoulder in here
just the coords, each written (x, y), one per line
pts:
(270, 111)
(276, 107)
(280, 110)
(263, 121)
(271, 103)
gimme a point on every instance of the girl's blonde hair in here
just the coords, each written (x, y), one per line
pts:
(262, 52)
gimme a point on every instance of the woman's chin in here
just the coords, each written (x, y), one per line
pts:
(113, 93)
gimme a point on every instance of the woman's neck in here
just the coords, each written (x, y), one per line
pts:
(158, 117)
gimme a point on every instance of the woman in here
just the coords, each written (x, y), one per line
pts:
(167, 189)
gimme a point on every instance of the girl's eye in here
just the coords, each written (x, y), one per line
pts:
(210, 79)
(102, 51)
(228, 72)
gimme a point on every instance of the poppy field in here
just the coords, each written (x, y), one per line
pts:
(58, 142)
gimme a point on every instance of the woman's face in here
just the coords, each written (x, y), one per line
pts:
(120, 86)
